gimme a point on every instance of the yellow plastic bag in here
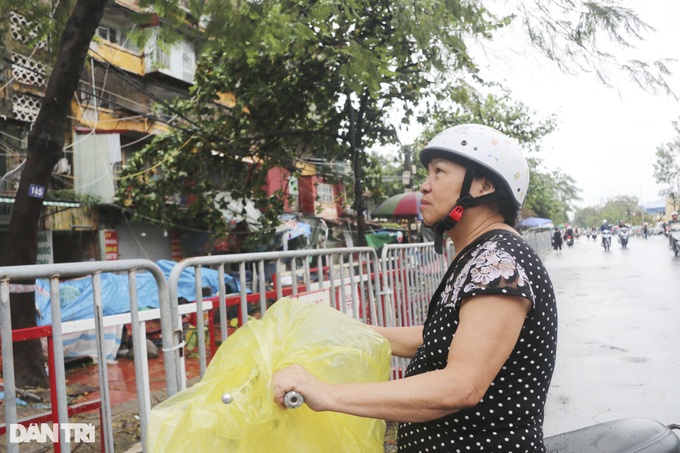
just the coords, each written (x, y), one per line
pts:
(333, 346)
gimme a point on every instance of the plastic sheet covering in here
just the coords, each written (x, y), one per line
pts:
(333, 346)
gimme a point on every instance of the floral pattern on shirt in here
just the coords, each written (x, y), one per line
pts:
(488, 266)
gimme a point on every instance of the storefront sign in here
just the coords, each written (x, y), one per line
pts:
(110, 245)
(45, 249)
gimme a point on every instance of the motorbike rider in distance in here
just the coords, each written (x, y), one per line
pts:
(605, 237)
(623, 235)
(569, 237)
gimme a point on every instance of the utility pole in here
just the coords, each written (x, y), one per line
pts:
(408, 178)
(409, 173)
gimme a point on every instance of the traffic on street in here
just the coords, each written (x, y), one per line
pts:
(619, 333)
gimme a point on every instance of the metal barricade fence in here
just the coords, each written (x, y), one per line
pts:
(539, 241)
(55, 272)
(344, 278)
(410, 274)
(394, 290)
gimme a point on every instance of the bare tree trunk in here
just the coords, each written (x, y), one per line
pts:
(45, 147)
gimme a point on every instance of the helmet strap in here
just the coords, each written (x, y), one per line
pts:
(456, 212)
(465, 201)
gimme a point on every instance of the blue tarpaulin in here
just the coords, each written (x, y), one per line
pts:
(532, 222)
(77, 299)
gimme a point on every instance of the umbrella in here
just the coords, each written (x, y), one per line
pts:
(403, 205)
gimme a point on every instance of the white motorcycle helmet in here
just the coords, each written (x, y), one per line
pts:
(476, 145)
(488, 148)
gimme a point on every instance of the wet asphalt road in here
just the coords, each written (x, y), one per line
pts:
(619, 334)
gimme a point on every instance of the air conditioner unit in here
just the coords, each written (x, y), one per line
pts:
(62, 167)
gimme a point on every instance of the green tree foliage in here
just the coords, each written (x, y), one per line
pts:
(667, 166)
(320, 77)
(578, 36)
(620, 209)
(384, 176)
(552, 195)
(588, 217)
(307, 79)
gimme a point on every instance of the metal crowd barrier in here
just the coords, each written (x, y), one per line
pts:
(539, 241)
(55, 272)
(344, 278)
(410, 274)
(392, 291)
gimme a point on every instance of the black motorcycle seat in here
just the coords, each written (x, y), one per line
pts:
(627, 435)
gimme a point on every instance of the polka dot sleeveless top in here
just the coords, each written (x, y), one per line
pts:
(509, 418)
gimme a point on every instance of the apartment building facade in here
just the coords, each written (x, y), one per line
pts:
(114, 115)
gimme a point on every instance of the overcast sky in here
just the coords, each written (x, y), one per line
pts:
(607, 137)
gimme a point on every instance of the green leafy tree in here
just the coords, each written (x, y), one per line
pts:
(320, 78)
(552, 195)
(588, 217)
(618, 209)
(384, 176)
(667, 167)
(306, 78)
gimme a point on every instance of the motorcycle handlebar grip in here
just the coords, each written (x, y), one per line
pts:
(293, 399)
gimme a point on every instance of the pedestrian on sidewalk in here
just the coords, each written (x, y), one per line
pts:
(557, 240)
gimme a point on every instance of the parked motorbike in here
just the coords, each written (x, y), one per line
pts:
(627, 435)
(606, 239)
(623, 237)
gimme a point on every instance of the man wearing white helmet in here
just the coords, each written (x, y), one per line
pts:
(483, 360)
(605, 227)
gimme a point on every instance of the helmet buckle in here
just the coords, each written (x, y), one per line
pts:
(456, 213)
